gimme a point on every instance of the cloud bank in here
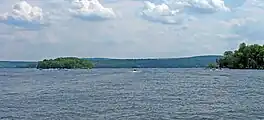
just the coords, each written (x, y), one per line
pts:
(127, 28)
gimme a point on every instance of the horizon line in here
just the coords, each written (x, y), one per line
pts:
(114, 58)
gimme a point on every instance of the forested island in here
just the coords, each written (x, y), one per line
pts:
(245, 57)
(64, 63)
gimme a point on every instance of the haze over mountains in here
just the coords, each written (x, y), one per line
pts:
(186, 62)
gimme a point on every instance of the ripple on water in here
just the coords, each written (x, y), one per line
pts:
(119, 94)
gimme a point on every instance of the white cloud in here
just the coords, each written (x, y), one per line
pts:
(91, 10)
(163, 13)
(128, 36)
(234, 3)
(250, 29)
(258, 3)
(24, 15)
(198, 6)
(208, 6)
(247, 23)
(162, 9)
(237, 22)
(172, 12)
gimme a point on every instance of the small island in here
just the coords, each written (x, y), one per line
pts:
(64, 63)
(245, 57)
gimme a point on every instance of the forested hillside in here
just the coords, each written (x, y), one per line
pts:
(188, 62)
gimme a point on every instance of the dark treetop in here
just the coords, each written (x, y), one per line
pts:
(245, 57)
(65, 63)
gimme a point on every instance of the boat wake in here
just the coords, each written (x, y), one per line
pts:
(134, 71)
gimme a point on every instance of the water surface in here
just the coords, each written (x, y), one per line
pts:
(120, 94)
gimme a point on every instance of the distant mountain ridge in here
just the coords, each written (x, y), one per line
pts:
(200, 56)
(183, 62)
(17, 64)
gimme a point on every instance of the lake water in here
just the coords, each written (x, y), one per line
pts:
(120, 94)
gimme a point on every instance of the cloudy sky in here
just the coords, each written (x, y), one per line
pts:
(37, 29)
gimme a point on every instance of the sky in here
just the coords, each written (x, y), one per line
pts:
(38, 29)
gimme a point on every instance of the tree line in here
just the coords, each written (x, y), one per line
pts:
(245, 57)
(65, 63)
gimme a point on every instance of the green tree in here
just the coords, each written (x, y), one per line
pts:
(65, 63)
(212, 65)
(246, 57)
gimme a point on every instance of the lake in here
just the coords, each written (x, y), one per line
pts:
(120, 94)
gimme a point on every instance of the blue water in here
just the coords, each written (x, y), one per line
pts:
(120, 94)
